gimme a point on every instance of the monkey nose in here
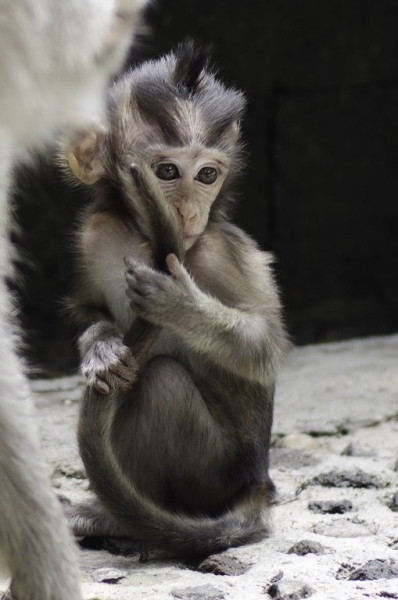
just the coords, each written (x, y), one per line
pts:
(187, 212)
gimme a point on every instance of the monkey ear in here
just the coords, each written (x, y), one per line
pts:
(84, 158)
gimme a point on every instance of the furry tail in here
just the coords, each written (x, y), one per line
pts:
(172, 534)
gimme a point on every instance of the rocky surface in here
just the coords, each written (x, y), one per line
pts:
(330, 398)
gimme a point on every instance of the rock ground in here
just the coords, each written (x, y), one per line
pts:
(335, 465)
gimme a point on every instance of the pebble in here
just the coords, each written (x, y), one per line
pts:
(286, 589)
(306, 547)
(394, 502)
(71, 472)
(344, 571)
(355, 478)
(221, 565)
(330, 507)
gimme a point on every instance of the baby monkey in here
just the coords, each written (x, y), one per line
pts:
(175, 423)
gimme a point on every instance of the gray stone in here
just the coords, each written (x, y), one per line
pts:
(286, 589)
(306, 547)
(220, 564)
(394, 502)
(355, 478)
(71, 472)
(375, 569)
(344, 571)
(331, 507)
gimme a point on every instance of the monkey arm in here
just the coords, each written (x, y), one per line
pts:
(98, 304)
(106, 362)
(245, 340)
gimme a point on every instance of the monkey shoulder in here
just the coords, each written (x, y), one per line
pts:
(229, 264)
(225, 245)
(104, 240)
(106, 235)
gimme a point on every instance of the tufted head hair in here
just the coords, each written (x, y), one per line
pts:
(175, 101)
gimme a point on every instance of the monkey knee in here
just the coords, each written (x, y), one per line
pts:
(161, 365)
(162, 369)
(168, 383)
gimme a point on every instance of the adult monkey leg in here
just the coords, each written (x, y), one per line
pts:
(56, 60)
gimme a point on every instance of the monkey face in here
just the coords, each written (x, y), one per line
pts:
(191, 179)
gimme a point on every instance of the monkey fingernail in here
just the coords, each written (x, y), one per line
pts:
(172, 262)
(101, 387)
(130, 262)
(131, 294)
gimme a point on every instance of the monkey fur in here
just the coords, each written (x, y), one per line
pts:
(56, 59)
(175, 433)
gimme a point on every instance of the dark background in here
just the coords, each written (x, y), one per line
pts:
(321, 187)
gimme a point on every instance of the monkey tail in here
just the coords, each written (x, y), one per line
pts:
(152, 214)
(156, 528)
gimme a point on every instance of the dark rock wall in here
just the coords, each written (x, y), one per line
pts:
(321, 185)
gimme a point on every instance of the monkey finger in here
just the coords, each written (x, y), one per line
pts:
(130, 362)
(177, 269)
(121, 371)
(130, 263)
(135, 294)
(120, 383)
(136, 301)
(101, 387)
(137, 307)
(134, 286)
(126, 358)
(123, 359)
(172, 263)
(139, 271)
(124, 386)
(133, 291)
(139, 310)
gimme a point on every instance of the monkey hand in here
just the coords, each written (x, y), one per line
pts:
(156, 296)
(109, 365)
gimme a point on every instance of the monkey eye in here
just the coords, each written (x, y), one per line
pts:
(167, 171)
(207, 175)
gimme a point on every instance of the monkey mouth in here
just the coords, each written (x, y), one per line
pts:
(189, 241)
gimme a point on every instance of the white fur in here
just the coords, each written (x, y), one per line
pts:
(56, 58)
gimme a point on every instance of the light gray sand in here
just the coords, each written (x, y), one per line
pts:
(336, 410)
